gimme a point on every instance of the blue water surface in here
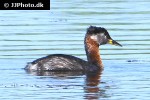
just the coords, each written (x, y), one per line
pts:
(28, 35)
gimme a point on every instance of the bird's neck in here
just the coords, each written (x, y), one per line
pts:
(92, 52)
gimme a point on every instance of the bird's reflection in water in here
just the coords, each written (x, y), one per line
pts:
(91, 86)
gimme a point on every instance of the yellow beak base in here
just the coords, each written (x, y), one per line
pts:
(113, 42)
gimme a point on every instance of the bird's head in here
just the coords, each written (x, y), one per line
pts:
(101, 36)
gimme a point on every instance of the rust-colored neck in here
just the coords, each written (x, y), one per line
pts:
(92, 52)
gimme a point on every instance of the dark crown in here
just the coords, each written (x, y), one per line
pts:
(97, 30)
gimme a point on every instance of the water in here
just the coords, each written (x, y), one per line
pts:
(28, 35)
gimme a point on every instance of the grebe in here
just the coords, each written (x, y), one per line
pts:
(94, 37)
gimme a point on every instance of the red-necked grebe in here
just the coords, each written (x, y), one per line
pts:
(95, 36)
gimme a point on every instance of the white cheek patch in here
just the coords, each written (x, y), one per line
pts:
(99, 38)
(94, 37)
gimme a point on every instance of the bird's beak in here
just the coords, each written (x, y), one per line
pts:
(113, 42)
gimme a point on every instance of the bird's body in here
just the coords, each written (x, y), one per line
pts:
(58, 62)
(94, 37)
